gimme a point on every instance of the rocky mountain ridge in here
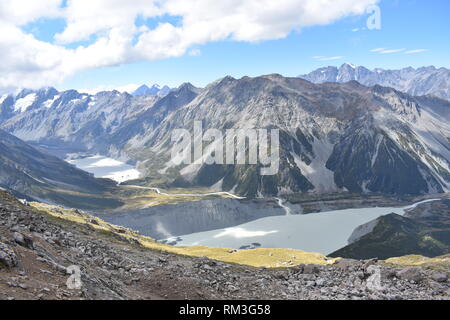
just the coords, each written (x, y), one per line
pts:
(334, 137)
(327, 131)
(417, 82)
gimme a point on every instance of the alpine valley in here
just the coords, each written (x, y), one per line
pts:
(223, 150)
(350, 139)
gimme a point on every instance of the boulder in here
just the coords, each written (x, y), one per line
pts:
(23, 240)
(347, 264)
(8, 257)
(410, 274)
(439, 276)
(311, 268)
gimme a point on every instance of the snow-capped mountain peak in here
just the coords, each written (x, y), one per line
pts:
(421, 81)
(333, 136)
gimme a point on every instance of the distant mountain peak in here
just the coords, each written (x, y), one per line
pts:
(155, 90)
(186, 85)
(417, 82)
(47, 90)
(347, 64)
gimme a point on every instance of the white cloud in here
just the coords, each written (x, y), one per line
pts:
(386, 51)
(321, 58)
(20, 12)
(86, 18)
(392, 51)
(416, 51)
(110, 27)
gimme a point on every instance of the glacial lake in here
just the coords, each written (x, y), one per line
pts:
(104, 167)
(323, 232)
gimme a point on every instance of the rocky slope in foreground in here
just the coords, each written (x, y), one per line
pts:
(37, 247)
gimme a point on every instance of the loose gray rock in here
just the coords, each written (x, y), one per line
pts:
(311, 268)
(320, 282)
(439, 277)
(7, 256)
(23, 240)
(369, 263)
(115, 270)
(410, 274)
(347, 264)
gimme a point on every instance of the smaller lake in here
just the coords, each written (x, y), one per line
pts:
(104, 167)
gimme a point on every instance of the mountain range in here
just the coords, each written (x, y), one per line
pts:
(417, 82)
(334, 137)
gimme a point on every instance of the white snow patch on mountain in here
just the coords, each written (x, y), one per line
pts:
(375, 155)
(24, 103)
(217, 186)
(2, 98)
(351, 65)
(76, 101)
(47, 104)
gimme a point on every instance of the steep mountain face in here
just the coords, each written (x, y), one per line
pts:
(26, 100)
(417, 82)
(368, 159)
(333, 136)
(28, 171)
(155, 90)
(133, 133)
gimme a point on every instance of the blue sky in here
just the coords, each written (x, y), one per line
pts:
(406, 26)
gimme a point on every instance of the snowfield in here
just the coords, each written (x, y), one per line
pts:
(104, 167)
(24, 103)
